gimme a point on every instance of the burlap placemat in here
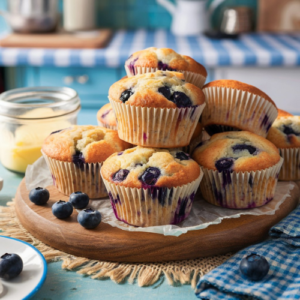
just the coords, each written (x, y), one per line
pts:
(183, 272)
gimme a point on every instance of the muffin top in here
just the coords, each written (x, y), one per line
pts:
(283, 113)
(161, 89)
(146, 167)
(285, 132)
(239, 151)
(81, 144)
(107, 116)
(237, 85)
(163, 59)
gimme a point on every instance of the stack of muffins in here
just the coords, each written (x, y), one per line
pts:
(154, 126)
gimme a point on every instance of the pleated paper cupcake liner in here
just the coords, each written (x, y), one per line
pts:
(291, 166)
(152, 206)
(239, 109)
(191, 77)
(156, 127)
(69, 178)
(193, 144)
(107, 126)
(240, 190)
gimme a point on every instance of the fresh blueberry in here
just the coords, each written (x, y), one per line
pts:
(182, 156)
(181, 99)
(289, 130)
(89, 218)
(11, 266)
(165, 91)
(254, 266)
(79, 200)
(39, 196)
(62, 209)
(150, 176)
(126, 95)
(242, 147)
(224, 164)
(120, 175)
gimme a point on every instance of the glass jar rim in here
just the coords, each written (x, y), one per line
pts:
(63, 99)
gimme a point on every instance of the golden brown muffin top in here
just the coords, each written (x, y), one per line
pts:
(146, 167)
(237, 85)
(160, 90)
(283, 113)
(240, 151)
(89, 144)
(107, 116)
(285, 132)
(164, 59)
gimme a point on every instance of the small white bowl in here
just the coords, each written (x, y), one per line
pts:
(34, 270)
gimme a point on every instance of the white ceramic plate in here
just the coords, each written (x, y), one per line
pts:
(34, 270)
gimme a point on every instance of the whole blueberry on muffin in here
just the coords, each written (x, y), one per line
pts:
(150, 187)
(165, 59)
(156, 109)
(240, 169)
(75, 155)
(233, 105)
(106, 117)
(285, 135)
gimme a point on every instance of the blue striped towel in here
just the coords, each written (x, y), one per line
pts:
(282, 251)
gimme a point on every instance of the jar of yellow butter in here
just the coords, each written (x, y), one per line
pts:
(28, 116)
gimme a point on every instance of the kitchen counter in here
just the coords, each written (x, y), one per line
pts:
(249, 50)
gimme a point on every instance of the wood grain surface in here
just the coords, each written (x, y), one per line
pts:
(57, 40)
(112, 244)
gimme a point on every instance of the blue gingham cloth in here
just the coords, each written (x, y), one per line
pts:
(282, 251)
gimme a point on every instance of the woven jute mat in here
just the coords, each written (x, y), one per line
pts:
(176, 272)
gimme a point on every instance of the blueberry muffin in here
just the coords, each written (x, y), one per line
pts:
(240, 169)
(75, 155)
(150, 187)
(233, 105)
(156, 109)
(152, 59)
(285, 135)
(106, 117)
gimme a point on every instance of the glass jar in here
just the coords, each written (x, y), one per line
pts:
(28, 116)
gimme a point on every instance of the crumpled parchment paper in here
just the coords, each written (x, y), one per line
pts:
(202, 214)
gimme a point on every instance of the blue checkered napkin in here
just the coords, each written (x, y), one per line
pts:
(282, 281)
(288, 229)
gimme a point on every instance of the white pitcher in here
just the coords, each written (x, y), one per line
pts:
(189, 16)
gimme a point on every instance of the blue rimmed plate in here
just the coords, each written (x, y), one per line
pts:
(34, 270)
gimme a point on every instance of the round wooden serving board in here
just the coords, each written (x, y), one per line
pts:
(108, 243)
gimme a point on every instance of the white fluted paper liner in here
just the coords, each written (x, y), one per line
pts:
(201, 216)
(68, 178)
(240, 109)
(107, 126)
(291, 166)
(193, 144)
(156, 127)
(191, 77)
(240, 190)
(152, 206)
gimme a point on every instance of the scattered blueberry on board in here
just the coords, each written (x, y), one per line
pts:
(79, 200)
(62, 209)
(39, 196)
(254, 266)
(89, 218)
(11, 266)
